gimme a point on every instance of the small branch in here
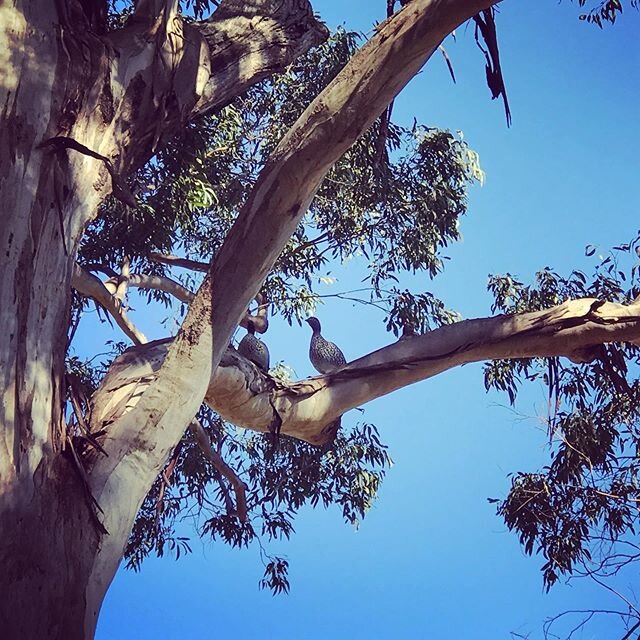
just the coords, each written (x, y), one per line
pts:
(204, 442)
(80, 420)
(175, 261)
(90, 286)
(615, 592)
(161, 283)
(168, 285)
(123, 280)
(165, 483)
(305, 245)
(98, 266)
(589, 613)
(443, 51)
(627, 635)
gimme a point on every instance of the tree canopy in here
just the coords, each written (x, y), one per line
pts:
(392, 202)
(298, 166)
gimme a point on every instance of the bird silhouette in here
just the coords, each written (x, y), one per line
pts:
(408, 331)
(325, 356)
(252, 348)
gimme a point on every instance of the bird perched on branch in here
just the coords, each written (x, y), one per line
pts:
(252, 348)
(325, 356)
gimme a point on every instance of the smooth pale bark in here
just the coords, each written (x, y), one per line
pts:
(245, 396)
(80, 109)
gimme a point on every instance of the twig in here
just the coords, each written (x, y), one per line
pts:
(239, 488)
(443, 51)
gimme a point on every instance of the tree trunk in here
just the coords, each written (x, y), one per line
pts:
(81, 108)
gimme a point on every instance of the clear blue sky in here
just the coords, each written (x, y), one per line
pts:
(432, 560)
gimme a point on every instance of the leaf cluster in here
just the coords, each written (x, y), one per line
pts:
(582, 505)
(279, 482)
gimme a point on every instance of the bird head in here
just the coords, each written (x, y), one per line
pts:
(314, 323)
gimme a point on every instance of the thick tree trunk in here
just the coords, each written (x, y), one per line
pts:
(79, 109)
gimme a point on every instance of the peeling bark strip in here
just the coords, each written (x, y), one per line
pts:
(245, 396)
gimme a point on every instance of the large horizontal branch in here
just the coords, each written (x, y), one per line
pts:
(304, 409)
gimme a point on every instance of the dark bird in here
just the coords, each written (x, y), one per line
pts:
(407, 332)
(252, 348)
(324, 355)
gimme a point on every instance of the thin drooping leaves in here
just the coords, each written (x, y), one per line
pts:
(589, 493)
(394, 208)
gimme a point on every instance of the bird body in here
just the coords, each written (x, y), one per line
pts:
(407, 332)
(325, 356)
(252, 348)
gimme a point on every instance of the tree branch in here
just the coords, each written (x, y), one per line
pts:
(175, 261)
(245, 396)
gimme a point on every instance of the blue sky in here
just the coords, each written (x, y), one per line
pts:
(432, 559)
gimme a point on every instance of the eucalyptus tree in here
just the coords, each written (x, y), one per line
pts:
(137, 141)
